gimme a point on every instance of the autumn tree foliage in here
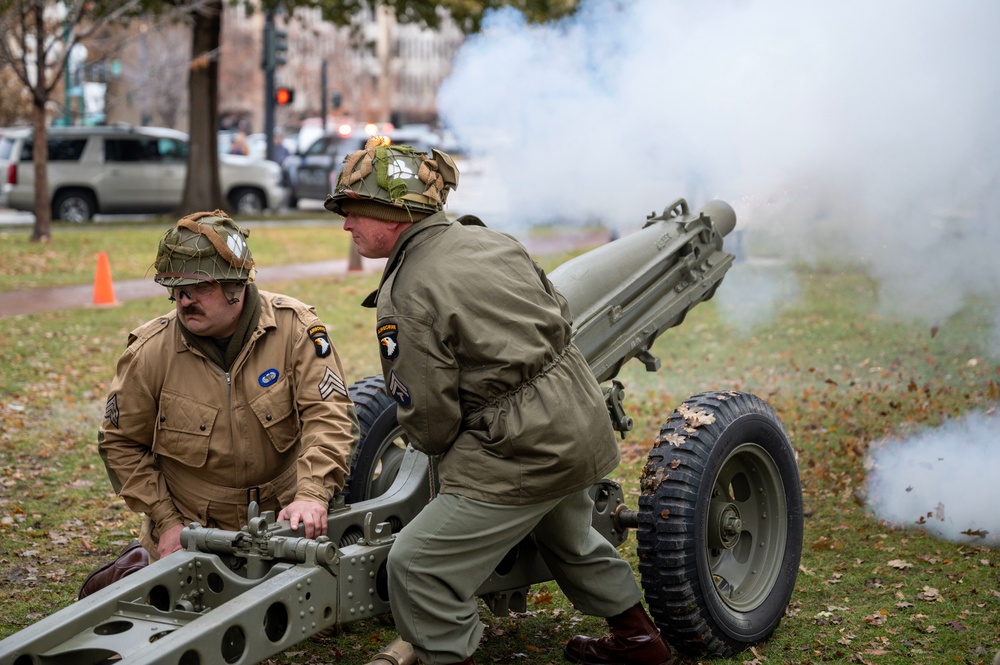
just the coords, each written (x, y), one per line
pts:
(38, 39)
(39, 36)
(202, 190)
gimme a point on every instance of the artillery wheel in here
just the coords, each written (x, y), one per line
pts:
(720, 524)
(379, 452)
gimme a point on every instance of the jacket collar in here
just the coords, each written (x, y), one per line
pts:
(415, 234)
(265, 321)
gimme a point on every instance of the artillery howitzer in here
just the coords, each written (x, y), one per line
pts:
(719, 520)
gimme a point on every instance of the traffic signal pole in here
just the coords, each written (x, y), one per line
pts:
(275, 50)
(268, 66)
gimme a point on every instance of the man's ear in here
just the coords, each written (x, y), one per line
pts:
(397, 227)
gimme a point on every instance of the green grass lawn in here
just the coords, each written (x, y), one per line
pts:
(840, 374)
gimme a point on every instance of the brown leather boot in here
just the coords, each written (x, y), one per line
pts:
(634, 640)
(132, 558)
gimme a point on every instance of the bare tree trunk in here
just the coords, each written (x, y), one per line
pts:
(202, 190)
(42, 231)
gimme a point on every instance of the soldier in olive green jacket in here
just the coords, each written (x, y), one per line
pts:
(476, 350)
(236, 396)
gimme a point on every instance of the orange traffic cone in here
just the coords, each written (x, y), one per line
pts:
(104, 290)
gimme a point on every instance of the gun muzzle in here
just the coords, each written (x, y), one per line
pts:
(722, 214)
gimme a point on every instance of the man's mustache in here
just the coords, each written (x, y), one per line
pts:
(191, 309)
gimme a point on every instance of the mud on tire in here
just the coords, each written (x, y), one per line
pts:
(720, 524)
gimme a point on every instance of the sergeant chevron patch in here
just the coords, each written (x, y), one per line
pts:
(398, 389)
(331, 383)
(111, 411)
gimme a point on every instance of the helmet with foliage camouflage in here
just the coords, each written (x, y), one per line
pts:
(204, 247)
(393, 182)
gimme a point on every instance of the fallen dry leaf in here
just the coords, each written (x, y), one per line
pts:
(695, 417)
(672, 439)
(877, 618)
(978, 533)
(825, 543)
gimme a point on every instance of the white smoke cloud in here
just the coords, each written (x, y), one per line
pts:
(942, 480)
(863, 128)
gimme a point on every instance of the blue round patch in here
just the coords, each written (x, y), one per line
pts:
(268, 377)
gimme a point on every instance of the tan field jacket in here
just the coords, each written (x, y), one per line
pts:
(185, 441)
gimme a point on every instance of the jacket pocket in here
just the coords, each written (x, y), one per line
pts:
(490, 429)
(184, 428)
(275, 410)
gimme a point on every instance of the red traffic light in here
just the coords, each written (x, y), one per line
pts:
(283, 96)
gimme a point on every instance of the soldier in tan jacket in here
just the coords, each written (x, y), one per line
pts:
(236, 396)
(476, 350)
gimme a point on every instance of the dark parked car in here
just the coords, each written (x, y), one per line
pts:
(312, 172)
(308, 171)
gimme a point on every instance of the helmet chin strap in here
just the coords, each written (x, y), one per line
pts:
(233, 291)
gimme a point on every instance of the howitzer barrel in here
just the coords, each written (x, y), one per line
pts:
(625, 293)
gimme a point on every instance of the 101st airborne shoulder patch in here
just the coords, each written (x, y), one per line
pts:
(388, 341)
(321, 339)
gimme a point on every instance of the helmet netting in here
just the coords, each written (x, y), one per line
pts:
(212, 249)
(377, 157)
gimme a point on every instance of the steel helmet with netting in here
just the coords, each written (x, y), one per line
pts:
(395, 183)
(204, 247)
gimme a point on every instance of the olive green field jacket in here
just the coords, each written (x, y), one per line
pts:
(475, 349)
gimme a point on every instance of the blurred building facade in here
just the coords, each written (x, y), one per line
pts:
(377, 69)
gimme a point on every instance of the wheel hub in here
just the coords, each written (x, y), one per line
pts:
(728, 526)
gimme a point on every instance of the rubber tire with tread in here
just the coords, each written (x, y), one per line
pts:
(247, 201)
(717, 568)
(375, 459)
(74, 205)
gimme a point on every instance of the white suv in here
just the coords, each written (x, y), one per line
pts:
(123, 169)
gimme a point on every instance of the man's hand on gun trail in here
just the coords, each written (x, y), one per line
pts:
(312, 515)
(170, 541)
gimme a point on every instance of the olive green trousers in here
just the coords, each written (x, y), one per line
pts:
(442, 556)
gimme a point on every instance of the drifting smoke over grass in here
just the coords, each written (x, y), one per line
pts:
(943, 480)
(858, 130)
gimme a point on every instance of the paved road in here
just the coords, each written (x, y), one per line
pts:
(31, 301)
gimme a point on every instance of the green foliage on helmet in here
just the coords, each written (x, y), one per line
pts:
(406, 184)
(204, 246)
